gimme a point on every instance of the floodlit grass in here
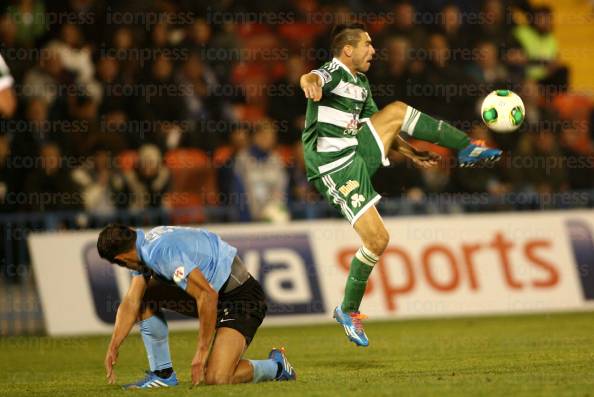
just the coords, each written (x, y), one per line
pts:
(520, 355)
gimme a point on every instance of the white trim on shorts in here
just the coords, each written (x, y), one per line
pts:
(331, 185)
(336, 163)
(378, 140)
(371, 202)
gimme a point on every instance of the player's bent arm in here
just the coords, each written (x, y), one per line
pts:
(128, 311)
(311, 84)
(207, 299)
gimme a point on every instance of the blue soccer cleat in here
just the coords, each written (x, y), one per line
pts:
(151, 380)
(352, 325)
(477, 154)
(287, 370)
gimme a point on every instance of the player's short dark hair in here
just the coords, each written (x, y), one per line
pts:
(345, 34)
(115, 239)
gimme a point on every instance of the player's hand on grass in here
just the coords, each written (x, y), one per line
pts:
(110, 361)
(198, 367)
(310, 84)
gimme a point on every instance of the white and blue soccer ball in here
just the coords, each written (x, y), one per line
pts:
(503, 111)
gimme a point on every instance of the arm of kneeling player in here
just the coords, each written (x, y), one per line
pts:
(125, 319)
(207, 299)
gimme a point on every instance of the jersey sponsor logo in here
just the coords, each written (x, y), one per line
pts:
(352, 127)
(179, 274)
(348, 187)
(285, 267)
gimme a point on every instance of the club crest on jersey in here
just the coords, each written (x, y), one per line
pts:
(178, 274)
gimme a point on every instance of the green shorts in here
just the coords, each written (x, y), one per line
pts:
(349, 187)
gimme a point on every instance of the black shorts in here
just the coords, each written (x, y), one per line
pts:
(242, 309)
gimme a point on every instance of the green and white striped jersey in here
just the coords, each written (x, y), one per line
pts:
(331, 125)
(6, 79)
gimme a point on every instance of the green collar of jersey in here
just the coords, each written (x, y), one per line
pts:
(342, 65)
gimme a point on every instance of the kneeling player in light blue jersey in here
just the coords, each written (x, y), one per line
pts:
(193, 272)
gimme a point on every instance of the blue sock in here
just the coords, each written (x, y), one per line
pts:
(264, 370)
(155, 333)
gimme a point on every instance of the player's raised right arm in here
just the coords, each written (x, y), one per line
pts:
(311, 84)
(126, 317)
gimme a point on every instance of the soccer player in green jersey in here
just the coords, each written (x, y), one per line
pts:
(346, 139)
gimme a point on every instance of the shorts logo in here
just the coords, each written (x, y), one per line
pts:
(357, 200)
(348, 187)
(178, 274)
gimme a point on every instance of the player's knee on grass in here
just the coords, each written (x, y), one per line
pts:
(217, 377)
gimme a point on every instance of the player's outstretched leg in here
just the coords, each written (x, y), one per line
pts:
(398, 116)
(155, 335)
(470, 153)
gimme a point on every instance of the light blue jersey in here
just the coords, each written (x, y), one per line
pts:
(172, 252)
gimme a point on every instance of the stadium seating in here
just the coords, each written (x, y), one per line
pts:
(193, 184)
(127, 159)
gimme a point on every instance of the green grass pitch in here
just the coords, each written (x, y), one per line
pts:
(518, 355)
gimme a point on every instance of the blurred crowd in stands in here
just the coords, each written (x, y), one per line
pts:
(182, 104)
